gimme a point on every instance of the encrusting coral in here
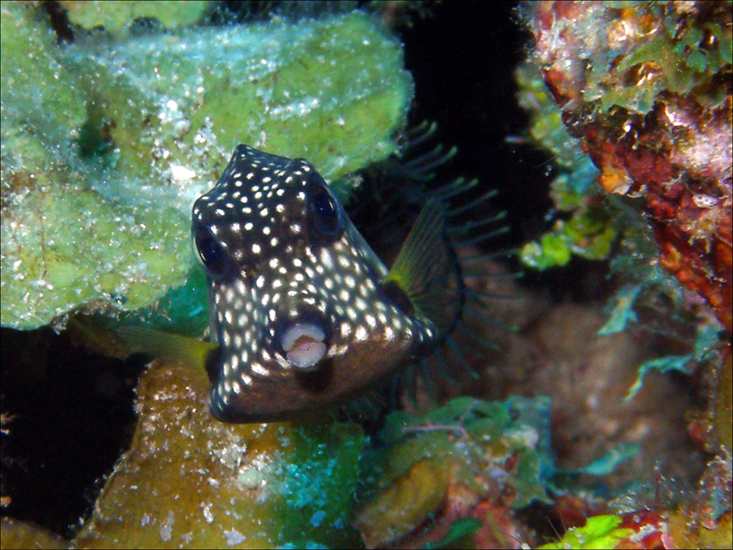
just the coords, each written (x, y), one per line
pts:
(152, 117)
(644, 88)
(189, 480)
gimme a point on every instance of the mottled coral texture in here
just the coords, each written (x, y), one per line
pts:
(647, 88)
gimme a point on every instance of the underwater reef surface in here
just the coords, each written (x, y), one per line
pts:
(643, 90)
(118, 17)
(97, 131)
(646, 88)
(505, 467)
(191, 481)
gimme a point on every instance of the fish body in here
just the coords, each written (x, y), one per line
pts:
(304, 313)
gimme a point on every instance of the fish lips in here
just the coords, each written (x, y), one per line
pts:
(304, 339)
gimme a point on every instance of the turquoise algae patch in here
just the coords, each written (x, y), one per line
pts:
(107, 142)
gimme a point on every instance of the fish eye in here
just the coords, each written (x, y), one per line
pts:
(210, 253)
(326, 211)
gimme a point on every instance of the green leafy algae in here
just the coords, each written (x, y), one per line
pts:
(708, 336)
(681, 54)
(623, 313)
(631, 54)
(598, 532)
(107, 142)
(606, 464)
(588, 234)
(586, 228)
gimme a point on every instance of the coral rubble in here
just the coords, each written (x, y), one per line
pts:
(471, 458)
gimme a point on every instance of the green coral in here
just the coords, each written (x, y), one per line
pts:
(57, 265)
(42, 107)
(120, 135)
(277, 86)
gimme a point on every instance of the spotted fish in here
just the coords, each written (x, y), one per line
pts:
(304, 314)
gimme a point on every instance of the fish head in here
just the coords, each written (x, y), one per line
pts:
(298, 300)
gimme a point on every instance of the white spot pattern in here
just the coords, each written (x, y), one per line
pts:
(277, 269)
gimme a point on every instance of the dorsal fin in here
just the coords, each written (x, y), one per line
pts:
(422, 266)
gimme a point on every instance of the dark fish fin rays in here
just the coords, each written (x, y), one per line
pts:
(484, 298)
(454, 188)
(426, 163)
(482, 237)
(477, 313)
(417, 135)
(473, 204)
(457, 351)
(494, 255)
(428, 379)
(456, 214)
(469, 220)
(457, 230)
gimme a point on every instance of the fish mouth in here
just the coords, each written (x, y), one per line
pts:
(303, 340)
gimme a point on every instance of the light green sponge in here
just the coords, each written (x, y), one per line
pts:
(107, 142)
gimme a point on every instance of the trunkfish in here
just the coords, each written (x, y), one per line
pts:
(303, 315)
